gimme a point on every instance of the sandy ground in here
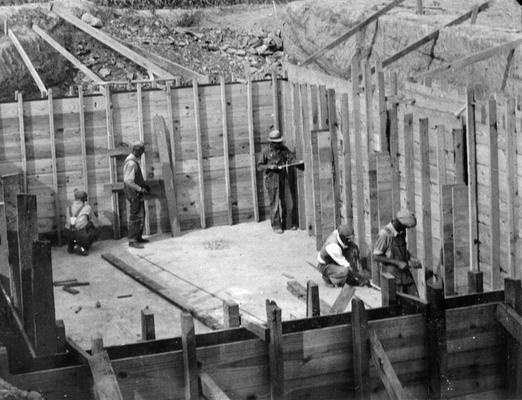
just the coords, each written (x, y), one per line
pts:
(246, 262)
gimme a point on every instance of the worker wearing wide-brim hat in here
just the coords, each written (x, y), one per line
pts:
(391, 251)
(273, 160)
(134, 188)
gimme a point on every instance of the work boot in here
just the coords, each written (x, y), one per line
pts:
(83, 251)
(142, 240)
(70, 248)
(136, 245)
(278, 230)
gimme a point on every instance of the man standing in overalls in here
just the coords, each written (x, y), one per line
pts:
(391, 252)
(134, 188)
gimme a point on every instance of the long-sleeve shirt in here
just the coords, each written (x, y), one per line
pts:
(132, 176)
(85, 215)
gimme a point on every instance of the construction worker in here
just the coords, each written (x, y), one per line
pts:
(80, 224)
(338, 260)
(134, 188)
(391, 252)
(274, 160)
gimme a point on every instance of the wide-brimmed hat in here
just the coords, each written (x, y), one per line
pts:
(80, 195)
(138, 144)
(275, 136)
(406, 218)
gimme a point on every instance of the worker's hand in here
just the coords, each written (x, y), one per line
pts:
(414, 263)
(143, 190)
(272, 167)
(402, 264)
(146, 187)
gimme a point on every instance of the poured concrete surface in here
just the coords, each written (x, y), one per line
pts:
(246, 262)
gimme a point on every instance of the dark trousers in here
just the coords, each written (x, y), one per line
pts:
(136, 218)
(275, 184)
(276, 206)
(82, 237)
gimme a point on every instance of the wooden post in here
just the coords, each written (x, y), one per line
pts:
(53, 167)
(252, 149)
(304, 116)
(275, 100)
(148, 329)
(494, 204)
(472, 179)
(332, 124)
(190, 363)
(112, 162)
(275, 351)
(420, 7)
(342, 300)
(199, 152)
(458, 149)
(312, 299)
(439, 384)
(410, 176)
(143, 161)
(231, 317)
(43, 299)
(83, 142)
(426, 205)
(347, 161)
(27, 233)
(97, 343)
(512, 185)
(361, 350)
(226, 160)
(448, 272)
(394, 144)
(300, 150)
(5, 270)
(21, 128)
(4, 363)
(513, 299)
(388, 289)
(60, 337)
(170, 124)
(315, 168)
(383, 113)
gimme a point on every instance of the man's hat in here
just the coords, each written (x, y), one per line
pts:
(80, 195)
(406, 218)
(275, 136)
(345, 232)
(138, 145)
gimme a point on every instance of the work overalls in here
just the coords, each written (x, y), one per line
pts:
(403, 277)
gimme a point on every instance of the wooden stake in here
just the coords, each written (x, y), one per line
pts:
(494, 203)
(143, 161)
(512, 185)
(60, 336)
(388, 289)
(394, 145)
(54, 169)
(190, 363)
(472, 179)
(96, 343)
(21, 127)
(420, 7)
(275, 351)
(252, 149)
(112, 163)
(347, 161)
(426, 205)
(332, 124)
(312, 299)
(383, 113)
(226, 160)
(513, 299)
(5, 270)
(83, 142)
(300, 145)
(342, 300)
(148, 328)
(231, 317)
(275, 100)
(317, 190)
(361, 351)
(308, 185)
(448, 249)
(410, 176)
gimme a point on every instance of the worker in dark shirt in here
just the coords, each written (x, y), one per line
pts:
(134, 188)
(274, 163)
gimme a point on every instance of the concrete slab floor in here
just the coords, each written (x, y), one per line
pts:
(245, 262)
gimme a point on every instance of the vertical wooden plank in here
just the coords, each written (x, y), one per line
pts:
(439, 383)
(143, 161)
(512, 185)
(458, 149)
(252, 149)
(190, 362)
(5, 270)
(332, 124)
(312, 299)
(472, 179)
(231, 317)
(460, 236)
(441, 155)
(170, 123)
(448, 272)
(97, 343)
(275, 351)
(384, 189)
(410, 176)
(275, 100)
(368, 97)
(27, 233)
(494, 194)
(388, 289)
(326, 183)
(112, 162)
(322, 103)
(4, 363)
(359, 172)
(307, 152)
(316, 187)
(420, 8)
(394, 145)
(347, 160)
(361, 349)
(199, 152)
(83, 142)
(426, 205)
(23, 151)
(45, 340)
(513, 299)
(297, 122)
(60, 336)
(148, 329)
(383, 118)
(53, 167)
(226, 160)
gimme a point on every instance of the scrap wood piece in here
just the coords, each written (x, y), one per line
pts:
(343, 299)
(385, 369)
(165, 293)
(470, 59)
(64, 282)
(70, 290)
(351, 32)
(28, 63)
(299, 291)
(114, 44)
(210, 388)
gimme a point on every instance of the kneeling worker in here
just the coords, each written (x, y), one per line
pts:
(338, 259)
(80, 225)
(391, 252)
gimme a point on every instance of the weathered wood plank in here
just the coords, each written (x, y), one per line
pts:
(472, 179)
(312, 299)
(343, 299)
(199, 152)
(410, 175)
(252, 149)
(494, 193)
(210, 388)
(148, 329)
(226, 160)
(347, 161)
(361, 349)
(332, 124)
(300, 150)
(83, 144)
(275, 351)
(301, 293)
(447, 240)
(512, 186)
(5, 269)
(426, 205)
(190, 362)
(109, 121)
(21, 130)
(394, 145)
(231, 317)
(53, 167)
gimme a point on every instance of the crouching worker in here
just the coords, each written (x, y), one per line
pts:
(80, 225)
(391, 252)
(338, 260)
